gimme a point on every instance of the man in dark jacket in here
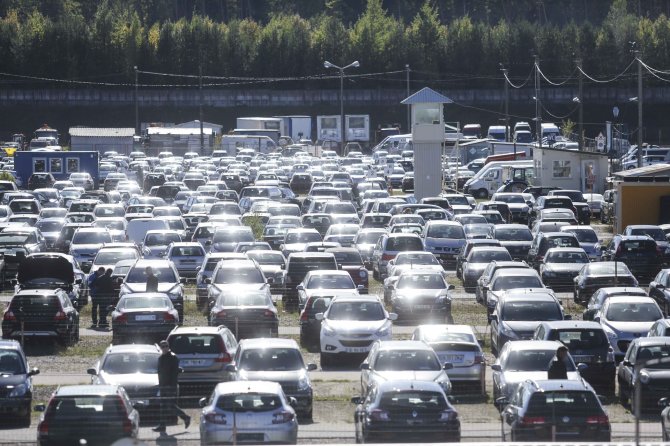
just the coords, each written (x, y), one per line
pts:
(558, 368)
(105, 290)
(96, 301)
(152, 280)
(168, 384)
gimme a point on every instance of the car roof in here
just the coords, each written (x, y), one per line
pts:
(653, 340)
(133, 348)
(355, 298)
(532, 294)
(533, 345)
(558, 385)
(560, 325)
(630, 299)
(269, 343)
(510, 226)
(247, 387)
(87, 390)
(516, 272)
(403, 345)
(200, 329)
(406, 384)
(565, 249)
(458, 328)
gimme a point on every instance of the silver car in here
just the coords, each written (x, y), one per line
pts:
(248, 412)
(457, 345)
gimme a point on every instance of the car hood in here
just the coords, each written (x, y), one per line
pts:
(564, 267)
(636, 329)
(449, 242)
(362, 327)
(86, 248)
(129, 380)
(475, 268)
(40, 267)
(219, 287)
(417, 293)
(514, 377)
(163, 287)
(521, 326)
(417, 375)
(276, 376)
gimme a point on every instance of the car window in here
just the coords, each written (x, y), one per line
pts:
(196, 344)
(532, 360)
(356, 311)
(238, 275)
(335, 281)
(138, 275)
(249, 402)
(421, 281)
(11, 362)
(564, 403)
(530, 311)
(580, 339)
(389, 360)
(271, 359)
(404, 401)
(127, 363)
(244, 300)
(633, 312)
(90, 408)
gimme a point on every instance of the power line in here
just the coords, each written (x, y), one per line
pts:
(556, 84)
(523, 84)
(607, 80)
(556, 116)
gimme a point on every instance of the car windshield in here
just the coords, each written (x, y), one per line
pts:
(513, 235)
(446, 231)
(334, 281)
(348, 258)
(603, 268)
(406, 401)
(187, 251)
(421, 282)
(404, 244)
(557, 405)
(655, 233)
(16, 239)
(109, 257)
(11, 363)
(267, 257)
(530, 311)
(161, 239)
(244, 300)
(397, 360)
(356, 311)
(416, 259)
(586, 235)
(532, 360)
(109, 224)
(243, 275)
(141, 302)
(91, 238)
(138, 275)
(511, 282)
(510, 199)
(249, 402)
(271, 360)
(489, 256)
(94, 408)
(577, 339)
(49, 226)
(566, 257)
(302, 237)
(633, 312)
(435, 336)
(234, 236)
(131, 362)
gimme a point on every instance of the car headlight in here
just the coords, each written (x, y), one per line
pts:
(644, 377)
(445, 383)
(19, 390)
(505, 331)
(304, 383)
(612, 336)
(327, 330)
(362, 273)
(384, 331)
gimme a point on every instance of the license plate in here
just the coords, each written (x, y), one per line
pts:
(250, 437)
(145, 317)
(192, 362)
(188, 261)
(356, 350)
(578, 358)
(422, 307)
(454, 358)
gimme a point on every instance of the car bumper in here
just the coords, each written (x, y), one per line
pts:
(138, 331)
(248, 327)
(569, 433)
(448, 432)
(286, 433)
(349, 345)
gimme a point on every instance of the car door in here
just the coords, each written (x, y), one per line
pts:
(367, 369)
(657, 291)
(510, 414)
(626, 371)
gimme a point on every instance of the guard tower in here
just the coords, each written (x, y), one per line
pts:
(427, 139)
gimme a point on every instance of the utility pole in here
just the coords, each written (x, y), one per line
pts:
(538, 119)
(202, 134)
(507, 135)
(137, 108)
(639, 107)
(409, 109)
(580, 124)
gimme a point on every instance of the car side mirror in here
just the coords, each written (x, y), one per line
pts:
(119, 280)
(664, 402)
(231, 368)
(208, 281)
(581, 367)
(311, 367)
(270, 280)
(40, 407)
(451, 287)
(596, 319)
(501, 402)
(493, 317)
(110, 308)
(360, 287)
(202, 402)
(208, 243)
(567, 317)
(365, 366)
(393, 316)
(354, 400)
(485, 288)
(627, 363)
(282, 266)
(448, 366)
(182, 280)
(300, 287)
(293, 402)
(34, 371)
(660, 286)
(91, 371)
(496, 367)
(78, 281)
(318, 316)
(138, 405)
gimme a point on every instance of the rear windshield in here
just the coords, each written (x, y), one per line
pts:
(563, 404)
(303, 237)
(655, 233)
(567, 257)
(531, 311)
(638, 246)
(511, 282)
(161, 239)
(131, 362)
(186, 251)
(489, 256)
(271, 359)
(249, 402)
(140, 302)
(580, 339)
(533, 360)
(233, 236)
(88, 238)
(39, 305)
(239, 275)
(404, 244)
(307, 264)
(390, 360)
(348, 258)
(138, 275)
(412, 400)
(89, 408)
(513, 235)
(586, 235)
(195, 344)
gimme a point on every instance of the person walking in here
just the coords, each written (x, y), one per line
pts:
(558, 368)
(95, 298)
(152, 280)
(168, 387)
(105, 290)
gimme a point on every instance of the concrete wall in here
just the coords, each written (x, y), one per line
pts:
(123, 145)
(549, 162)
(639, 204)
(427, 170)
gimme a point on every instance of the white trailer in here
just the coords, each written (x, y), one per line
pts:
(232, 144)
(357, 128)
(329, 128)
(259, 123)
(297, 127)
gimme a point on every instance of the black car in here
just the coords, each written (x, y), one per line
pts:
(539, 191)
(556, 409)
(407, 184)
(50, 271)
(543, 241)
(652, 376)
(248, 313)
(588, 344)
(640, 253)
(596, 275)
(560, 266)
(310, 327)
(476, 262)
(15, 245)
(486, 276)
(546, 202)
(659, 290)
(233, 181)
(40, 180)
(465, 250)
(583, 213)
(139, 316)
(16, 386)
(301, 183)
(41, 314)
(297, 266)
(406, 411)
(62, 243)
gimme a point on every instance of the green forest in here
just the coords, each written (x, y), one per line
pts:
(460, 43)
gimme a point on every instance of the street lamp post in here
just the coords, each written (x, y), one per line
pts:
(353, 64)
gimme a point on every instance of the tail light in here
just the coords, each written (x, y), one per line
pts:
(387, 257)
(610, 355)
(9, 316)
(60, 316)
(448, 415)
(379, 415)
(597, 419)
(215, 418)
(618, 250)
(222, 313)
(282, 417)
(121, 319)
(43, 427)
(479, 358)
(224, 356)
(531, 420)
(127, 425)
(268, 313)
(168, 317)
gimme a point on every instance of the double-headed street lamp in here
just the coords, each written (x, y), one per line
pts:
(353, 64)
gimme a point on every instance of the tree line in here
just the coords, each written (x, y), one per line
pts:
(103, 41)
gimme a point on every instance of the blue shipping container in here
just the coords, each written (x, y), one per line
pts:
(59, 164)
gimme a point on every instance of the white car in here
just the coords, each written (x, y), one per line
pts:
(351, 325)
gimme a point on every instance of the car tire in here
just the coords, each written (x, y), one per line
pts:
(623, 398)
(482, 193)
(308, 416)
(116, 339)
(325, 360)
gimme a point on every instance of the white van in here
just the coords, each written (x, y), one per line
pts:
(550, 131)
(138, 227)
(472, 131)
(393, 144)
(487, 181)
(497, 132)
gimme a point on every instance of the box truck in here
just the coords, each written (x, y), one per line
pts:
(259, 123)
(297, 127)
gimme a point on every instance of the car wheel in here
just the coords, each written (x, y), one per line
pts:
(307, 416)
(482, 193)
(375, 274)
(325, 360)
(623, 399)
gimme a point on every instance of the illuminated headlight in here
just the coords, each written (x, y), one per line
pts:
(19, 390)
(644, 377)
(304, 383)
